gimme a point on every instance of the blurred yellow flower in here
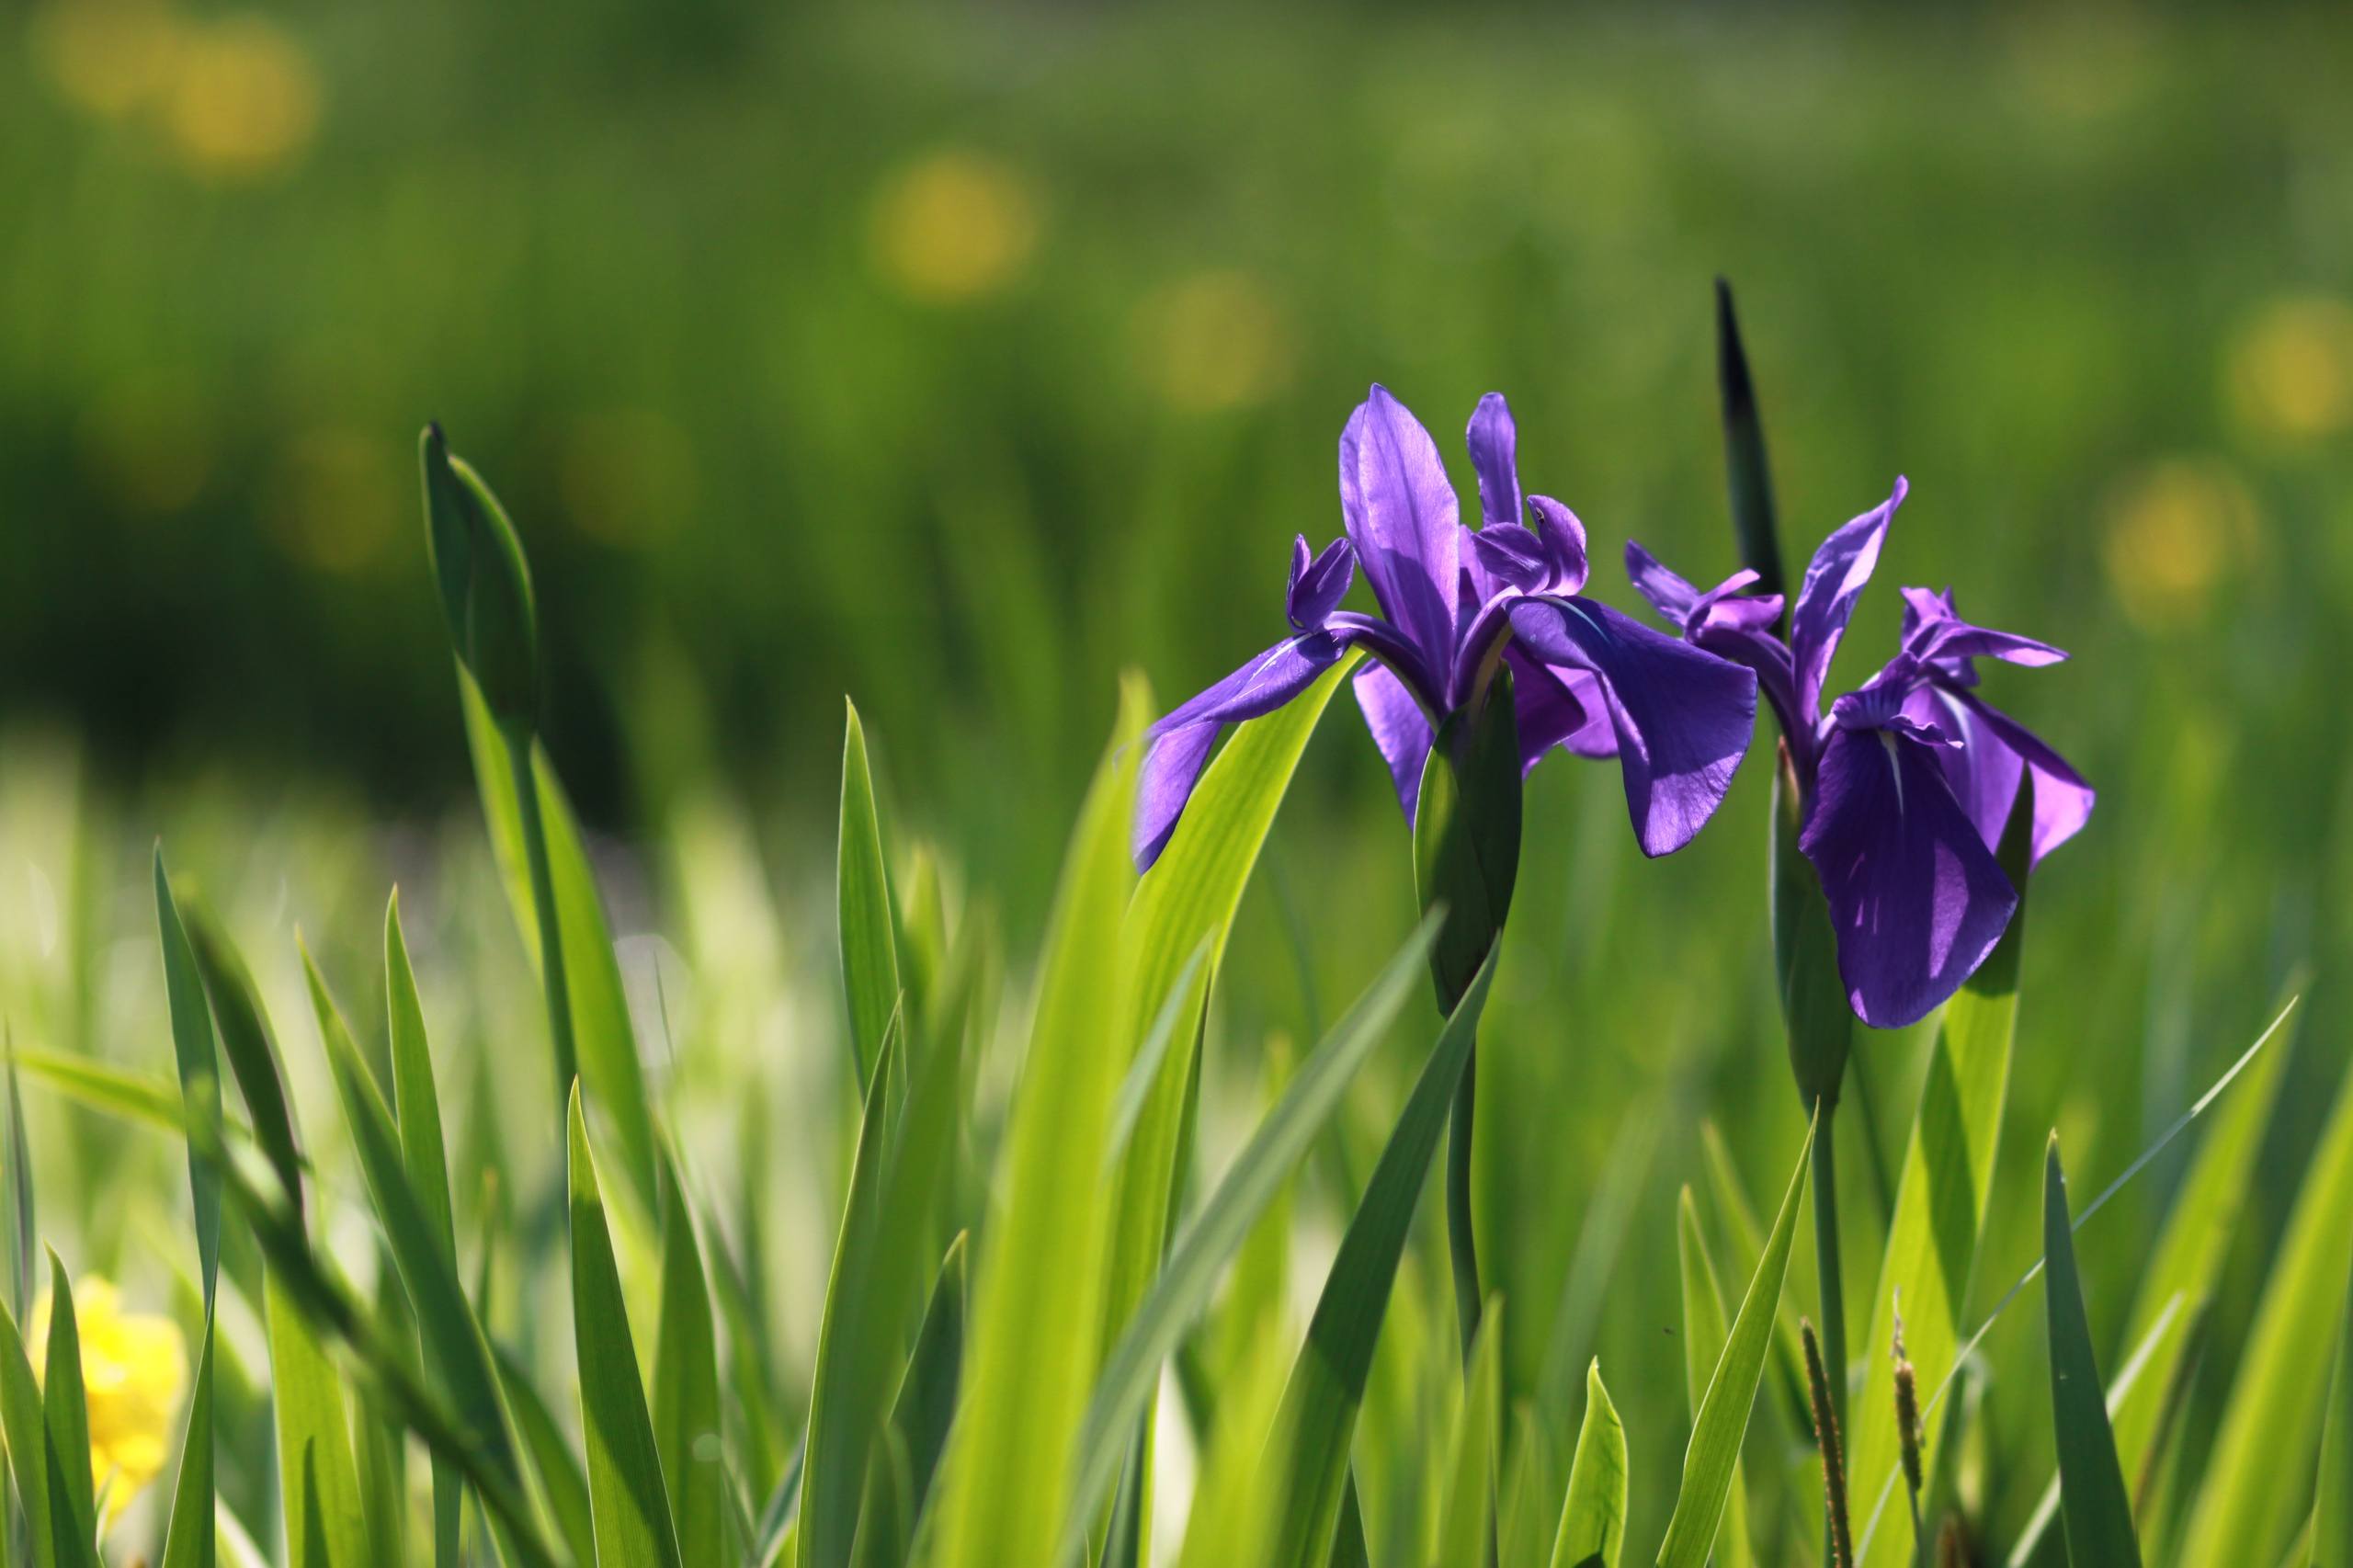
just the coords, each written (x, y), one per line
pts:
(134, 1368)
(1215, 340)
(243, 100)
(955, 225)
(2288, 373)
(2171, 530)
(108, 56)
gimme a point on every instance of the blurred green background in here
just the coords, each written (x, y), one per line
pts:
(955, 357)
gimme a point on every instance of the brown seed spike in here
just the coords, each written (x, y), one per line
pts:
(1834, 1466)
(1907, 1407)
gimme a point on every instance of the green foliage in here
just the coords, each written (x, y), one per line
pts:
(1593, 1516)
(2091, 1483)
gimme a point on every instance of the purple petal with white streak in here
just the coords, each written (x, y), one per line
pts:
(1834, 579)
(1401, 515)
(1399, 727)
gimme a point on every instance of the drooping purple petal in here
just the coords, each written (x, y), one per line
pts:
(1401, 514)
(1682, 717)
(1549, 711)
(1178, 746)
(1494, 441)
(1318, 585)
(1666, 593)
(1547, 557)
(1917, 899)
(1512, 555)
(1562, 536)
(1399, 727)
(1959, 640)
(1995, 751)
(1719, 603)
(1834, 579)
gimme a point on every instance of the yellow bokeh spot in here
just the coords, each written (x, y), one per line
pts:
(335, 499)
(1215, 340)
(111, 57)
(628, 476)
(134, 1368)
(243, 100)
(2288, 372)
(955, 225)
(2172, 531)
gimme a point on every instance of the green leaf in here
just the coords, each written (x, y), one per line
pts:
(627, 1498)
(2094, 1504)
(65, 1415)
(1466, 837)
(1703, 1342)
(925, 1410)
(314, 1439)
(190, 1539)
(485, 585)
(1747, 1234)
(1526, 1518)
(2250, 1502)
(562, 1483)
(1319, 1410)
(123, 1092)
(1593, 1520)
(1939, 1214)
(200, 1067)
(417, 1103)
(1748, 478)
(456, 1356)
(685, 1386)
(1818, 1020)
(1466, 1507)
(862, 899)
(1039, 1304)
(2208, 1211)
(599, 1006)
(1131, 1373)
(1713, 1455)
(2333, 1506)
(25, 1423)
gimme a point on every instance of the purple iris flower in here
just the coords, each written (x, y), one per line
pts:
(1455, 605)
(1907, 782)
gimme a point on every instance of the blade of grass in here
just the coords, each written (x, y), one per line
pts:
(245, 1041)
(190, 1540)
(315, 1468)
(870, 952)
(1525, 1517)
(1703, 1342)
(1714, 1454)
(924, 1410)
(628, 1499)
(2093, 1502)
(25, 1423)
(1593, 1516)
(2332, 1494)
(1131, 1373)
(1038, 1300)
(564, 1485)
(200, 1067)
(686, 1385)
(2136, 1368)
(1467, 1507)
(65, 1416)
(1310, 1447)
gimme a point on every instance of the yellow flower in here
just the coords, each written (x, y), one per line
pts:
(955, 225)
(134, 1368)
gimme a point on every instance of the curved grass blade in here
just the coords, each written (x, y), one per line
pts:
(27, 1425)
(2249, 1502)
(2128, 1377)
(1310, 1447)
(1593, 1518)
(686, 1385)
(1467, 1509)
(199, 1066)
(417, 1108)
(324, 1525)
(2333, 1495)
(870, 950)
(1703, 1343)
(66, 1417)
(190, 1540)
(1038, 1299)
(1714, 1454)
(2093, 1502)
(628, 1501)
(562, 1484)
(1131, 1373)
(245, 1041)
(600, 1007)
(925, 1407)
(1526, 1518)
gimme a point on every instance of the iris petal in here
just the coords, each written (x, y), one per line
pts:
(1401, 515)
(1833, 580)
(1399, 727)
(1494, 442)
(1917, 899)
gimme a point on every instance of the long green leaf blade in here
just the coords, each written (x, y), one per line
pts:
(2333, 1495)
(316, 1472)
(190, 1540)
(1714, 1454)
(628, 1500)
(27, 1426)
(1703, 1341)
(870, 950)
(65, 1415)
(1320, 1403)
(1467, 1508)
(1593, 1518)
(2093, 1502)
(199, 1066)
(1038, 1303)
(685, 1386)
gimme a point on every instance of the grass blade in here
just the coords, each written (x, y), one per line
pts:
(1132, 1371)
(1714, 1454)
(562, 1483)
(1467, 1510)
(2333, 1495)
(65, 1418)
(190, 1540)
(685, 1386)
(628, 1501)
(2250, 1502)
(925, 1407)
(1039, 1306)
(1593, 1516)
(1703, 1341)
(25, 1424)
(2093, 1502)
(199, 1066)
(869, 949)
(2128, 1377)
(1319, 1410)
(316, 1474)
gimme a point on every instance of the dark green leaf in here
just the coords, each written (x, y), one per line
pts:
(2094, 1504)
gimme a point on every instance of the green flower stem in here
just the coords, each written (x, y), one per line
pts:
(535, 842)
(1462, 1248)
(1833, 1301)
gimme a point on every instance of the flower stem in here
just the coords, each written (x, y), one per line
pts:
(1833, 1304)
(1462, 1248)
(535, 848)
